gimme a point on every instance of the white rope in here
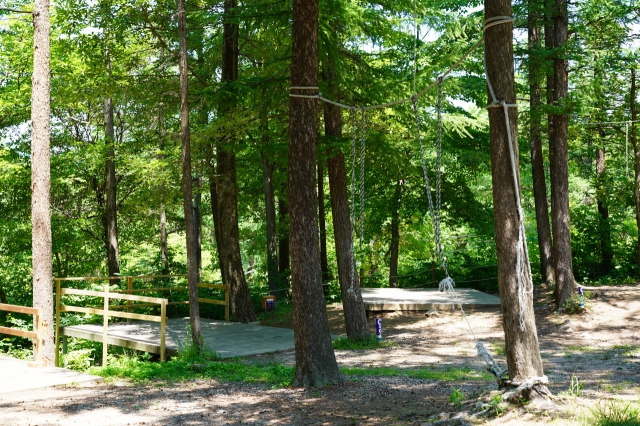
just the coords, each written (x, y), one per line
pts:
(523, 269)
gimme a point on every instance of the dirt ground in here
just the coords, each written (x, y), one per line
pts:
(589, 359)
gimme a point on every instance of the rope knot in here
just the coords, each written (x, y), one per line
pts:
(447, 285)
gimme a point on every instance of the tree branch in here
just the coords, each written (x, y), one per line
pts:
(164, 44)
(6, 9)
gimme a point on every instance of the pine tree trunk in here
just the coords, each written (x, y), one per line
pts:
(42, 258)
(355, 317)
(537, 161)
(197, 219)
(164, 246)
(192, 242)
(522, 352)
(215, 213)
(270, 213)
(284, 265)
(559, 160)
(111, 207)
(606, 251)
(395, 237)
(227, 186)
(324, 264)
(315, 360)
(636, 158)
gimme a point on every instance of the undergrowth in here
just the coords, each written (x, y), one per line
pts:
(618, 413)
(370, 342)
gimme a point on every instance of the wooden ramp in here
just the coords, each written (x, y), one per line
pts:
(227, 339)
(423, 299)
(16, 376)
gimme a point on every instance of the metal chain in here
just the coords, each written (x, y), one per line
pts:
(439, 156)
(354, 272)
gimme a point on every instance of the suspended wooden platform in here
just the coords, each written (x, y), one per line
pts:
(423, 299)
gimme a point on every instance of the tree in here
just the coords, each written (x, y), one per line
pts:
(522, 352)
(192, 242)
(41, 175)
(226, 181)
(559, 158)
(535, 139)
(315, 360)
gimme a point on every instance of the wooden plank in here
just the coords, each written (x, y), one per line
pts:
(117, 341)
(120, 277)
(105, 326)
(163, 330)
(116, 314)
(19, 333)
(146, 290)
(112, 295)
(19, 309)
(57, 330)
(212, 301)
(213, 286)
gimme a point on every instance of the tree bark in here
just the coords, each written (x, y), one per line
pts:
(191, 240)
(197, 219)
(559, 160)
(270, 212)
(227, 186)
(315, 360)
(42, 258)
(545, 246)
(636, 158)
(284, 265)
(355, 317)
(324, 263)
(606, 251)
(111, 207)
(394, 249)
(522, 352)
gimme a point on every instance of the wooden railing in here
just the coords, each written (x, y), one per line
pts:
(107, 295)
(38, 333)
(131, 290)
(128, 295)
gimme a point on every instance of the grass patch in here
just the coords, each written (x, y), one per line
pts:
(280, 316)
(370, 342)
(177, 369)
(610, 413)
(446, 375)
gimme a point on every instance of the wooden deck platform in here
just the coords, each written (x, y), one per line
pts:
(227, 339)
(423, 299)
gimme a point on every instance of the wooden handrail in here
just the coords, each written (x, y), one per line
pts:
(106, 312)
(38, 333)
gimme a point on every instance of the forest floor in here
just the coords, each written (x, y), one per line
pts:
(592, 360)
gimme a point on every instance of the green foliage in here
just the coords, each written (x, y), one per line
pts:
(572, 305)
(495, 402)
(447, 375)
(615, 413)
(456, 397)
(370, 342)
(575, 387)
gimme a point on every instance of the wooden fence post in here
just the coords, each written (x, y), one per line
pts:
(105, 325)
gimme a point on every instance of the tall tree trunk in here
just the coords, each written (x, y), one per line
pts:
(164, 246)
(197, 219)
(315, 360)
(355, 317)
(42, 258)
(192, 242)
(522, 352)
(636, 158)
(324, 263)
(111, 207)
(559, 160)
(284, 265)
(270, 212)
(215, 213)
(227, 187)
(395, 237)
(606, 251)
(535, 137)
